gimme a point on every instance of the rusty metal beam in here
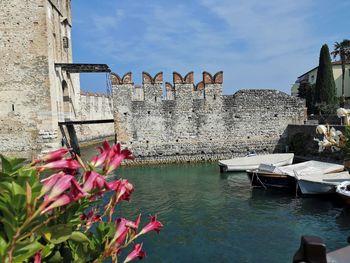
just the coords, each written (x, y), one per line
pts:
(86, 122)
(83, 68)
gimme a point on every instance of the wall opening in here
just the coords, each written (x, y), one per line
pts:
(66, 100)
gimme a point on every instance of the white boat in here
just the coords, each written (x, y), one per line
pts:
(310, 167)
(253, 162)
(343, 189)
(321, 183)
(284, 177)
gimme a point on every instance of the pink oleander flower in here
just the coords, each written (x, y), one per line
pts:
(62, 184)
(62, 200)
(123, 228)
(37, 257)
(49, 182)
(54, 155)
(134, 225)
(93, 180)
(61, 164)
(122, 188)
(154, 224)
(115, 158)
(136, 253)
(121, 233)
(90, 218)
(99, 159)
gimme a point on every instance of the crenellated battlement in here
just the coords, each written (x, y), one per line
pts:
(181, 88)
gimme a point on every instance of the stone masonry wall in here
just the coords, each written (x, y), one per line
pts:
(29, 100)
(94, 106)
(196, 122)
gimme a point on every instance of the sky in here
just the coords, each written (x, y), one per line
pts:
(258, 44)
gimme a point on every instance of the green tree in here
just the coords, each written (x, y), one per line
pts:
(307, 92)
(342, 49)
(325, 92)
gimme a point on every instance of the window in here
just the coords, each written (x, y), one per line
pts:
(65, 42)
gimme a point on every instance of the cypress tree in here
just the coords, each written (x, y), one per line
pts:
(325, 92)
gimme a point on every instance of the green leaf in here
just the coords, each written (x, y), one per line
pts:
(79, 237)
(6, 165)
(47, 250)
(6, 212)
(55, 258)
(26, 250)
(3, 246)
(58, 233)
(8, 227)
(17, 189)
(11, 165)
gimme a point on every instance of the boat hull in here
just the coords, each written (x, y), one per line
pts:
(271, 180)
(343, 190)
(310, 188)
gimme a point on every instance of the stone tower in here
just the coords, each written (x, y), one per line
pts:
(35, 92)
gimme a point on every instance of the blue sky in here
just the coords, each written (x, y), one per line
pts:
(258, 44)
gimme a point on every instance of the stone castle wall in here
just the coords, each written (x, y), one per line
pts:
(31, 40)
(36, 93)
(95, 106)
(196, 122)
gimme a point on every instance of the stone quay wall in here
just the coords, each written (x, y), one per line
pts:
(94, 106)
(196, 122)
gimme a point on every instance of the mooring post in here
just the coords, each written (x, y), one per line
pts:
(73, 138)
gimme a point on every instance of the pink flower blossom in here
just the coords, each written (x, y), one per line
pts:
(49, 182)
(37, 257)
(122, 231)
(62, 200)
(99, 159)
(154, 224)
(93, 181)
(90, 218)
(115, 158)
(136, 253)
(61, 164)
(62, 184)
(55, 155)
(122, 188)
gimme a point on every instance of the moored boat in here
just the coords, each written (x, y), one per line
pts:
(343, 190)
(284, 177)
(321, 183)
(253, 162)
(270, 179)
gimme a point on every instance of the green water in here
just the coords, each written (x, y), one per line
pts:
(210, 217)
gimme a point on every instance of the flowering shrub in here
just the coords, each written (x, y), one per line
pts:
(334, 139)
(52, 209)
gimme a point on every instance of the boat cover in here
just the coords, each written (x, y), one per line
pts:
(309, 167)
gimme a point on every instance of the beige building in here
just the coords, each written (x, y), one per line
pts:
(310, 77)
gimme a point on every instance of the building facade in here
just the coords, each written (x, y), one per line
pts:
(310, 78)
(35, 94)
(39, 82)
